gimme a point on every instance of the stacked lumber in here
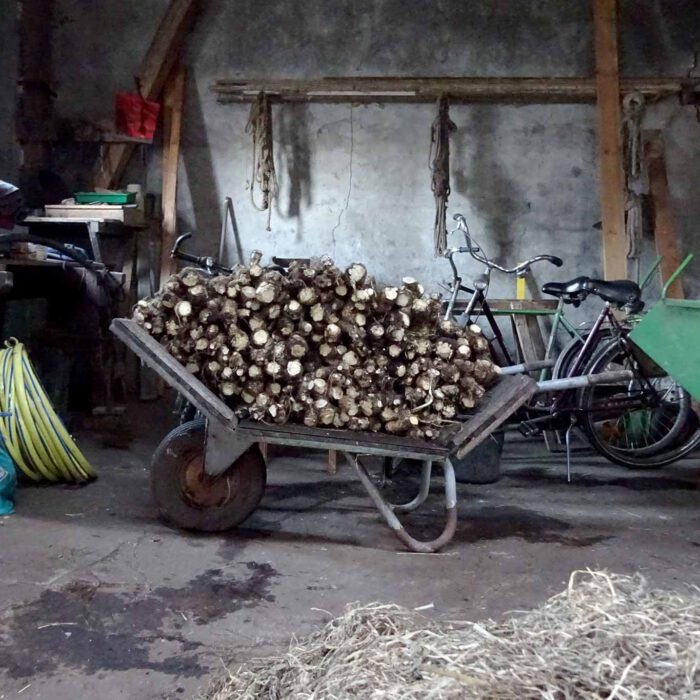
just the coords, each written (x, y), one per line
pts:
(321, 346)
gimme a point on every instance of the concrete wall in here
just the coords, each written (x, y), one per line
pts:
(354, 181)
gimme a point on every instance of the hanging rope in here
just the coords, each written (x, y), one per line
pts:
(260, 127)
(633, 224)
(440, 168)
(693, 73)
(632, 114)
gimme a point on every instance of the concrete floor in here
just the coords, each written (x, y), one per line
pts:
(101, 600)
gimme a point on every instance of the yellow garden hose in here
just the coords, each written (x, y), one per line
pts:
(33, 433)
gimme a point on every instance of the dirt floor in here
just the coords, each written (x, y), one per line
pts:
(99, 599)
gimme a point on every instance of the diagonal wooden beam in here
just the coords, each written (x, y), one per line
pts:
(173, 100)
(612, 183)
(155, 68)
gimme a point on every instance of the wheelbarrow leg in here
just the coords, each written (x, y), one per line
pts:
(395, 524)
(419, 500)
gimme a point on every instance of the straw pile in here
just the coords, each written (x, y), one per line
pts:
(605, 636)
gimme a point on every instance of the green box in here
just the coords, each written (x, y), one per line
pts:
(105, 197)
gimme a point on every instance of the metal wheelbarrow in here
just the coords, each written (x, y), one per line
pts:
(210, 474)
(669, 333)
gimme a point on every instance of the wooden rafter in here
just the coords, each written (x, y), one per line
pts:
(465, 89)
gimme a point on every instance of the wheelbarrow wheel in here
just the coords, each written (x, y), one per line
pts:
(189, 498)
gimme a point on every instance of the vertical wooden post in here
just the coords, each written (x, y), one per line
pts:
(664, 225)
(34, 117)
(612, 183)
(173, 99)
(332, 465)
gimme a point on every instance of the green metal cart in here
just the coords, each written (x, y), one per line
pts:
(669, 333)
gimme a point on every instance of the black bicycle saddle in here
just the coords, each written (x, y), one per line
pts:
(621, 293)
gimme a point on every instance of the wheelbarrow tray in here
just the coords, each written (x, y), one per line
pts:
(670, 335)
(227, 437)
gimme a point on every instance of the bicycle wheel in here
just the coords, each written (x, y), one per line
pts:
(570, 351)
(639, 437)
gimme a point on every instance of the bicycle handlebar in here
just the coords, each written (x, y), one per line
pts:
(475, 251)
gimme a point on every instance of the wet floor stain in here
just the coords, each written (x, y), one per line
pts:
(285, 503)
(497, 523)
(306, 496)
(95, 627)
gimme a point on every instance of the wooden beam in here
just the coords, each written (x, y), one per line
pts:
(34, 120)
(332, 465)
(664, 225)
(156, 66)
(612, 183)
(173, 100)
(464, 89)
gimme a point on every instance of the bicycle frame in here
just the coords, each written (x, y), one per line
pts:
(479, 302)
(578, 365)
(566, 405)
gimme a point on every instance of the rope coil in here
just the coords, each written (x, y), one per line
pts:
(259, 126)
(440, 167)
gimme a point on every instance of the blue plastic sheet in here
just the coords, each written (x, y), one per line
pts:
(8, 482)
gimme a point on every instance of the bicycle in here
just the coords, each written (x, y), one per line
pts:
(645, 422)
(478, 299)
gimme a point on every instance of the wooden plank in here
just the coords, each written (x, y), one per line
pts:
(529, 337)
(173, 100)
(612, 183)
(171, 371)
(459, 89)
(332, 465)
(359, 445)
(338, 436)
(664, 225)
(523, 304)
(128, 215)
(503, 306)
(155, 68)
(499, 403)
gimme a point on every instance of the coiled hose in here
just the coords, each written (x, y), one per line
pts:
(33, 433)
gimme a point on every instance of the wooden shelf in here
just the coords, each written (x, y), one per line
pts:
(466, 89)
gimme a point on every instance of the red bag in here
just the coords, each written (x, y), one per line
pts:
(136, 116)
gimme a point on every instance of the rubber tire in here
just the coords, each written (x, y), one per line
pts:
(180, 445)
(569, 352)
(483, 464)
(676, 450)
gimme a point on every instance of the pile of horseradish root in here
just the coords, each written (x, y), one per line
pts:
(321, 346)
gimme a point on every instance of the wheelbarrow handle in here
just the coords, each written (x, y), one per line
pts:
(675, 275)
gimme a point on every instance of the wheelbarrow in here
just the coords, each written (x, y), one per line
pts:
(669, 333)
(210, 474)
